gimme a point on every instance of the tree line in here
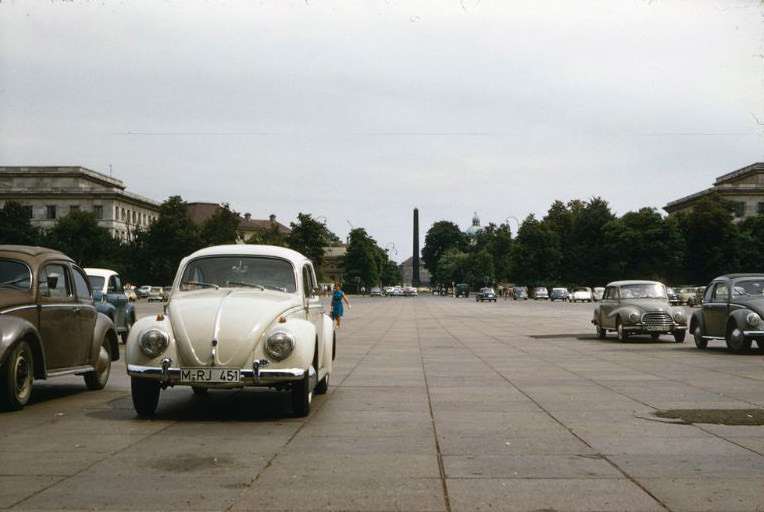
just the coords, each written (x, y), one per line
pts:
(583, 243)
(152, 255)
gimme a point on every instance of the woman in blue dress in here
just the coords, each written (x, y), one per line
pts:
(337, 297)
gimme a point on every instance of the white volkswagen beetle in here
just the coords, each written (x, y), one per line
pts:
(238, 315)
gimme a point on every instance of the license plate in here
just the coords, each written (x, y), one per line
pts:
(655, 328)
(210, 375)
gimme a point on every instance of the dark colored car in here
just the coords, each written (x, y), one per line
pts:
(462, 290)
(520, 293)
(485, 294)
(732, 310)
(111, 300)
(49, 324)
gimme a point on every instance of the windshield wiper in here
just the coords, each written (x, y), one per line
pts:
(199, 283)
(248, 285)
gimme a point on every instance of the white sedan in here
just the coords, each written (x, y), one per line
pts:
(238, 315)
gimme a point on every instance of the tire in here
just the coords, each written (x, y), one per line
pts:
(601, 333)
(700, 342)
(679, 336)
(323, 386)
(736, 342)
(145, 396)
(16, 377)
(622, 334)
(199, 391)
(654, 336)
(98, 378)
(302, 396)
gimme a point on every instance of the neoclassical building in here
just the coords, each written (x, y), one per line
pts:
(49, 193)
(744, 187)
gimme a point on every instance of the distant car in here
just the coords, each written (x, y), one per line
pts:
(540, 293)
(389, 290)
(49, 325)
(732, 310)
(142, 291)
(166, 290)
(597, 293)
(462, 290)
(111, 300)
(485, 294)
(559, 294)
(520, 293)
(239, 316)
(155, 294)
(687, 294)
(582, 293)
(700, 291)
(672, 297)
(375, 292)
(638, 307)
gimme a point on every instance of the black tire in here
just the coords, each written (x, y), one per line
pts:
(623, 335)
(302, 396)
(199, 391)
(16, 377)
(98, 378)
(679, 336)
(601, 333)
(737, 344)
(145, 396)
(700, 342)
(654, 335)
(323, 386)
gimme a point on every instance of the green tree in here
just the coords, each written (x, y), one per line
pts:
(752, 246)
(271, 235)
(442, 236)
(220, 228)
(496, 241)
(79, 236)
(309, 237)
(583, 256)
(537, 255)
(16, 226)
(363, 259)
(156, 252)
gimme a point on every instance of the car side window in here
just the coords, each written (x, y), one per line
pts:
(708, 294)
(721, 293)
(307, 280)
(54, 282)
(81, 285)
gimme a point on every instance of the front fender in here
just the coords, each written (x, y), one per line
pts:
(130, 310)
(105, 309)
(13, 329)
(739, 317)
(624, 312)
(305, 344)
(104, 329)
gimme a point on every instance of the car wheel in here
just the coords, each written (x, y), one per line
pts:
(145, 395)
(199, 391)
(736, 341)
(302, 395)
(16, 377)
(323, 386)
(623, 335)
(700, 342)
(601, 333)
(691, 302)
(98, 378)
(654, 335)
(679, 336)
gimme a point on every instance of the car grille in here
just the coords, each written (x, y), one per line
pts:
(657, 319)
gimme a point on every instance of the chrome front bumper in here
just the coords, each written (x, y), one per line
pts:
(170, 376)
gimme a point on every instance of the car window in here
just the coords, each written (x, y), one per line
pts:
(81, 285)
(96, 282)
(721, 293)
(749, 288)
(61, 289)
(239, 272)
(15, 275)
(114, 284)
(644, 291)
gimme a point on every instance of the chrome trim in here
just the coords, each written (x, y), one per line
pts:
(77, 370)
(753, 333)
(18, 308)
(248, 377)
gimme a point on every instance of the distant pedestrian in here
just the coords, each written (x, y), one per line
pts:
(337, 297)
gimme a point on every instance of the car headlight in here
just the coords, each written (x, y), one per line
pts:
(634, 317)
(153, 342)
(279, 345)
(753, 319)
(679, 317)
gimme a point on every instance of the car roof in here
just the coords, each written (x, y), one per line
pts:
(635, 281)
(738, 276)
(32, 252)
(102, 272)
(249, 250)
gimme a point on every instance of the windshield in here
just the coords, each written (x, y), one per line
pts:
(643, 291)
(96, 282)
(750, 288)
(239, 272)
(15, 275)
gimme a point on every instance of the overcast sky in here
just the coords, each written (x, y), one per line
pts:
(360, 111)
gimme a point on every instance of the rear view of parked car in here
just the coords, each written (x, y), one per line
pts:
(49, 325)
(485, 294)
(520, 293)
(110, 299)
(582, 293)
(540, 293)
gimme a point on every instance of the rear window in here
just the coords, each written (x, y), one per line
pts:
(15, 275)
(96, 282)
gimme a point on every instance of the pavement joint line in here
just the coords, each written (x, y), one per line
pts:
(548, 413)
(441, 467)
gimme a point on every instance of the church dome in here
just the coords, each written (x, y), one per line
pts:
(475, 228)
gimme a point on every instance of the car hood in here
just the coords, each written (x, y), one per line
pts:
(235, 318)
(649, 305)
